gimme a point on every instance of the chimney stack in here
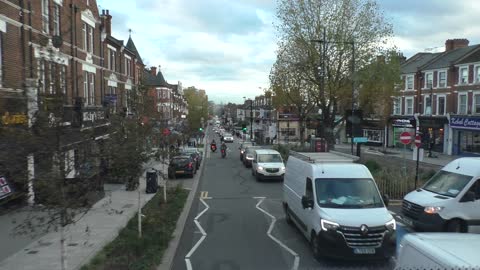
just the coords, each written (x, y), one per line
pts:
(153, 71)
(108, 23)
(452, 44)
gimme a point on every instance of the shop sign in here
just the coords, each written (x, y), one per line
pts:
(5, 189)
(93, 116)
(465, 123)
(14, 119)
(402, 123)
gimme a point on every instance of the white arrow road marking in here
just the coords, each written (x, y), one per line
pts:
(296, 261)
(202, 231)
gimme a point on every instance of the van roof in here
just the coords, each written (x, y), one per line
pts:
(333, 169)
(467, 166)
(455, 249)
(266, 151)
(324, 157)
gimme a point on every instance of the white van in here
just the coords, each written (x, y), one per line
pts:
(449, 201)
(337, 206)
(439, 251)
(267, 164)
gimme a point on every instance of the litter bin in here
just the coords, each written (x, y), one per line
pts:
(319, 145)
(152, 181)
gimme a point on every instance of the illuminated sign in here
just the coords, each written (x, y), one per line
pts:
(14, 119)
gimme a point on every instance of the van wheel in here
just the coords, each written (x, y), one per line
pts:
(314, 245)
(288, 218)
(455, 225)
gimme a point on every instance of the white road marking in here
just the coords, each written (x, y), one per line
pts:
(202, 231)
(296, 261)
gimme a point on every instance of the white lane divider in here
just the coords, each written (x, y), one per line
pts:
(296, 261)
(202, 231)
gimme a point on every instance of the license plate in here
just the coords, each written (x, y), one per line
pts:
(179, 171)
(364, 250)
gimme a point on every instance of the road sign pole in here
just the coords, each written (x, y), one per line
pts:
(404, 160)
(418, 144)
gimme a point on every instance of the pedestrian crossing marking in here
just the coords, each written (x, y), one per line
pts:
(204, 195)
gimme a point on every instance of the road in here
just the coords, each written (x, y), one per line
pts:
(229, 223)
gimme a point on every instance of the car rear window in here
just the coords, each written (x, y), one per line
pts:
(180, 161)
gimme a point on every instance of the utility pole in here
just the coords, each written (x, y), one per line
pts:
(251, 119)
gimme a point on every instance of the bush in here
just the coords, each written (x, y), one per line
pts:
(283, 150)
(372, 165)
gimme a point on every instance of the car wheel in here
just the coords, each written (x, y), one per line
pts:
(455, 225)
(288, 218)
(315, 246)
(257, 177)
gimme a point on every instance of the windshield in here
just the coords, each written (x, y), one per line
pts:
(245, 145)
(447, 183)
(347, 193)
(269, 158)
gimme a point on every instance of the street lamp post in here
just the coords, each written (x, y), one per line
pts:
(324, 42)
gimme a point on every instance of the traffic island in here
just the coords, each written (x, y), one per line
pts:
(128, 251)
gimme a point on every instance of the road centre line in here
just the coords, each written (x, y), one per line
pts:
(296, 261)
(202, 231)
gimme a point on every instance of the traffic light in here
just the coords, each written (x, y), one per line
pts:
(244, 128)
(200, 129)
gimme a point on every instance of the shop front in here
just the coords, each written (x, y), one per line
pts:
(466, 135)
(374, 131)
(399, 125)
(433, 132)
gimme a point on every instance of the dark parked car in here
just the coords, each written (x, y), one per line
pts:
(181, 165)
(248, 155)
(195, 154)
(242, 148)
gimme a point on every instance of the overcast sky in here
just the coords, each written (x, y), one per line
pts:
(227, 47)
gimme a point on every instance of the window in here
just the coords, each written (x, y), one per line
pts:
(51, 79)
(442, 79)
(87, 32)
(89, 88)
(1, 59)
(56, 20)
(45, 17)
(427, 105)
(165, 94)
(128, 67)
(428, 80)
(63, 79)
(41, 75)
(476, 101)
(409, 105)
(111, 62)
(463, 75)
(477, 74)
(462, 103)
(447, 183)
(409, 82)
(441, 105)
(397, 105)
(287, 131)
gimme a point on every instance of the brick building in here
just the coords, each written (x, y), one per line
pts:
(440, 97)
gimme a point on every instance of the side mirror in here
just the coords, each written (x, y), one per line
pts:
(386, 199)
(254, 161)
(468, 197)
(307, 202)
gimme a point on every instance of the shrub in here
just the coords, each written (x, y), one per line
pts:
(372, 165)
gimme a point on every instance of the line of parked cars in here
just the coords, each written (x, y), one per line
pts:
(265, 164)
(185, 163)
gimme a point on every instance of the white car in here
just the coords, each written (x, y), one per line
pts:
(267, 164)
(228, 138)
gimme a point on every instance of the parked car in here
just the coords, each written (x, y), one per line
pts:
(439, 251)
(181, 165)
(267, 164)
(337, 206)
(242, 148)
(197, 157)
(249, 154)
(227, 137)
(449, 201)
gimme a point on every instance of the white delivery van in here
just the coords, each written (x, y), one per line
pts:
(267, 164)
(439, 251)
(337, 206)
(449, 201)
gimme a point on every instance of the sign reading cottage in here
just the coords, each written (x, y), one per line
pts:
(472, 123)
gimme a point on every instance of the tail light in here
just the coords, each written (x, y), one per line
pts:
(190, 165)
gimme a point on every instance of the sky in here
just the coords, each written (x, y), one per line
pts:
(227, 47)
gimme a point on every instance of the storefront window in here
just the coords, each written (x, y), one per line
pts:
(373, 136)
(470, 142)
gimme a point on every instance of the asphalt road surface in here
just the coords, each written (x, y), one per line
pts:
(238, 223)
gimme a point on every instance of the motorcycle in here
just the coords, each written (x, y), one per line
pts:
(213, 147)
(224, 153)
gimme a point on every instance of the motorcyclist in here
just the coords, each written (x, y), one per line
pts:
(223, 147)
(213, 145)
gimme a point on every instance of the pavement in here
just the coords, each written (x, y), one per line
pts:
(99, 226)
(238, 223)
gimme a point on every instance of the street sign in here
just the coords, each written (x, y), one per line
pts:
(405, 138)
(418, 141)
(360, 139)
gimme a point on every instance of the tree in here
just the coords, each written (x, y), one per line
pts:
(353, 32)
(291, 90)
(198, 108)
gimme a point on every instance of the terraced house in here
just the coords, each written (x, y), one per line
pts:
(59, 63)
(440, 97)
